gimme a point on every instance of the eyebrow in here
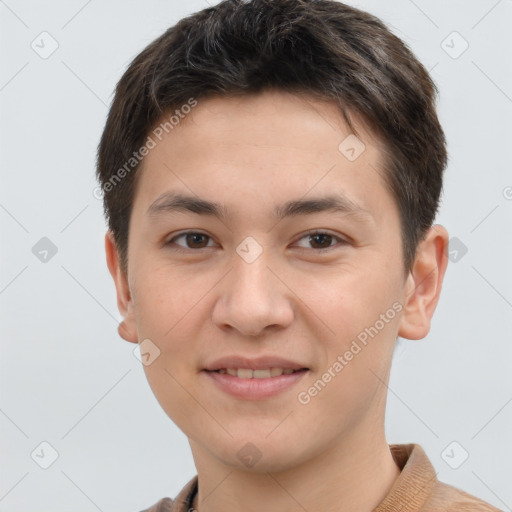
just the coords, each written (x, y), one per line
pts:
(170, 202)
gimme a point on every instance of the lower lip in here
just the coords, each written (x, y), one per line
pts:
(254, 389)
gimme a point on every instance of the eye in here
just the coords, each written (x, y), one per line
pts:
(323, 239)
(193, 240)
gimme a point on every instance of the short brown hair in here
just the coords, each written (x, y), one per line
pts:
(323, 48)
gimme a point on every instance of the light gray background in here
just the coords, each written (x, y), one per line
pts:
(66, 376)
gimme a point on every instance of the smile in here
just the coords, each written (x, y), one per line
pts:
(247, 373)
(249, 384)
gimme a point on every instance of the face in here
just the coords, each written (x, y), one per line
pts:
(297, 265)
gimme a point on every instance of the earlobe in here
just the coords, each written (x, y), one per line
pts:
(127, 328)
(424, 283)
(126, 333)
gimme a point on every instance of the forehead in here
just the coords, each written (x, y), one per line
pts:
(264, 149)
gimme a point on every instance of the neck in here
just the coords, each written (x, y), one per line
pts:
(354, 476)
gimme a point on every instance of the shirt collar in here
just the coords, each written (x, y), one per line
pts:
(415, 483)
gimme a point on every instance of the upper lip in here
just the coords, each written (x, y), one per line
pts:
(257, 363)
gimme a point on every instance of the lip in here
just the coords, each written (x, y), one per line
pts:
(254, 389)
(257, 363)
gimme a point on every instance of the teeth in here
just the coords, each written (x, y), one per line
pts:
(248, 373)
(261, 374)
(244, 373)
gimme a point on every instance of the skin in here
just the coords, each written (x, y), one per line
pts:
(250, 154)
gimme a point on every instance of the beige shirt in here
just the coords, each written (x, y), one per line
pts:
(416, 489)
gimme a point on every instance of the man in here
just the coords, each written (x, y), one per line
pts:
(271, 173)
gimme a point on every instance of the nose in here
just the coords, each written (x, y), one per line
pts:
(253, 299)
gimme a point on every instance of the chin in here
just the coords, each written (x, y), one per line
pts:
(263, 456)
(270, 464)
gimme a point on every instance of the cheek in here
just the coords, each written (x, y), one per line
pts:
(175, 393)
(166, 313)
(166, 298)
(348, 302)
(167, 306)
(361, 325)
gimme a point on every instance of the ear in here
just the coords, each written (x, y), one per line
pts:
(127, 328)
(423, 285)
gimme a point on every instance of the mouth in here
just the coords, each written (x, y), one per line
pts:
(255, 384)
(264, 373)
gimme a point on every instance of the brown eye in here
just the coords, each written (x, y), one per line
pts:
(193, 240)
(321, 241)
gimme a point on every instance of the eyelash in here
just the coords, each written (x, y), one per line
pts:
(309, 233)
